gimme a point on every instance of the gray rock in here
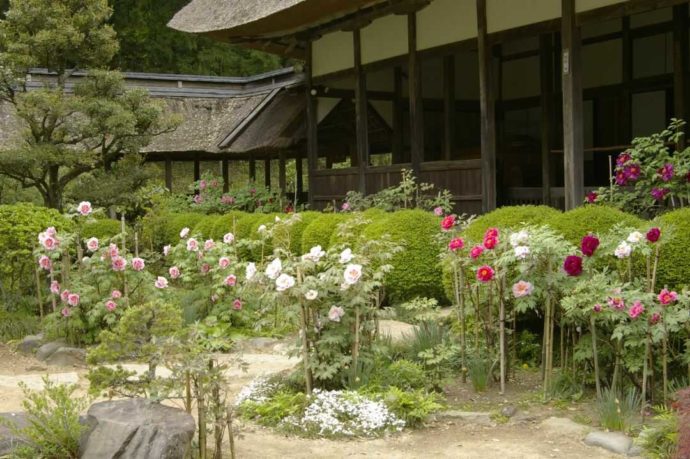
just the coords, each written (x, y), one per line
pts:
(472, 417)
(66, 357)
(30, 343)
(8, 439)
(563, 427)
(48, 349)
(635, 451)
(136, 428)
(616, 442)
(508, 411)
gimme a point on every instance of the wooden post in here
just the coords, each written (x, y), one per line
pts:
(282, 178)
(299, 179)
(415, 96)
(267, 173)
(197, 169)
(252, 168)
(226, 174)
(312, 142)
(680, 64)
(448, 107)
(488, 112)
(168, 173)
(361, 116)
(626, 96)
(397, 141)
(573, 139)
(546, 82)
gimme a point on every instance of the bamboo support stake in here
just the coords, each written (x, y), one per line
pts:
(52, 296)
(460, 301)
(201, 409)
(595, 356)
(231, 432)
(355, 347)
(39, 297)
(645, 371)
(502, 338)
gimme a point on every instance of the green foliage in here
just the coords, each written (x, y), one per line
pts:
(174, 224)
(404, 374)
(659, 439)
(416, 270)
(479, 371)
(16, 325)
(578, 222)
(674, 263)
(320, 230)
(418, 310)
(510, 217)
(205, 226)
(279, 406)
(529, 348)
(226, 224)
(53, 416)
(412, 406)
(105, 228)
(618, 411)
(292, 236)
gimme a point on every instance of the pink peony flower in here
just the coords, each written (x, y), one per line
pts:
(490, 242)
(119, 263)
(352, 273)
(231, 280)
(228, 238)
(653, 234)
(214, 183)
(655, 318)
(667, 297)
(224, 262)
(589, 245)
(209, 244)
(491, 232)
(174, 272)
(573, 265)
(592, 197)
(205, 268)
(113, 251)
(84, 208)
(55, 287)
(476, 251)
(237, 304)
(64, 296)
(636, 309)
(49, 243)
(65, 312)
(438, 211)
(45, 263)
(92, 244)
(202, 184)
(522, 288)
(110, 305)
(617, 303)
(138, 264)
(192, 245)
(198, 199)
(345, 207)
(485, 273)
(161, 282)
(335, 313)
(227, 199)
(51, 231)
(456, 244)
(597, 307)
(666, 172)
(73, 299)
(448, 222)
(116, 294)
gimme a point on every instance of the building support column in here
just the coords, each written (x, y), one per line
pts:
(312, 142)
(546, 82)
(267, 173)
(573, 139)
(448, 107)
(397, 141)
(282, 177)
(415, 96)
(168, 173)
(488, 111)
(361, 115)
(197, 169)
(299, 186)
(626, 97)
(680, 65)
(252, 168)
(225, 166)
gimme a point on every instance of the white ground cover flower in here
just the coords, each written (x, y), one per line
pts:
(259, 390)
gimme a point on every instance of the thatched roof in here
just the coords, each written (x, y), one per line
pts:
(10, 126)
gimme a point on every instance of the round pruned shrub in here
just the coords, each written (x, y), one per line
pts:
(599, 219)
(369, 215)
(416, 269)
(102, 229)
(511, 217)
(174, 224)
(320, 230)
(226, 223)
(206, 225)
(293, 237)
(674, 265)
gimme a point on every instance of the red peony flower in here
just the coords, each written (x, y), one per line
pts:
(592, 197)
(476, 251)
(448, 222)
(490, 242)
(573, 265)
(589, 245)
(653, 234)
(485, 273)
(491, 232)
(456, 244)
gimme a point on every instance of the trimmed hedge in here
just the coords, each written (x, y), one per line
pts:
(416, 270)
(206, 225)
(102, 229)
(511, 217)
(576, 223)
(320, 230)
(674, 265)
(174, 224)
(296, 231)
(371, 215)
(226, 223)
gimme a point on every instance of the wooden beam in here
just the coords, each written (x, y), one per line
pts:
(573, 138)
(361, 116)
(680, 65)
(415, 96)
(448, 107)
(225, 166)
(488, 112)
(267, 173)
(168, 173)
(397, 140)
(546, 83)
(282, 178)
(312, 142)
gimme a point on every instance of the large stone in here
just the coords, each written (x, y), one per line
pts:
(30, 343)
(469, 417)
(8, 439)
(67, 357)
(616, 442)
(563, 427)
(136, 428)
(398, 331)
(48, 349)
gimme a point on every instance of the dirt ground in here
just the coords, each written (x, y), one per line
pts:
(527, 436)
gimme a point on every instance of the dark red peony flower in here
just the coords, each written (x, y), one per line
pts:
(448, 222)
(653, 234)
(490, 242)
(592, 197)
(573, 265)
(589, 245)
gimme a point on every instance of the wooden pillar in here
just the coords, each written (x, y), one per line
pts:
(546, 82)
(312, 142)
(168, 173)
(415, 96)
(267, 173)
(397, 140)
(252, 169)
(626, 96)
(573, 139)
(680, 64)
(488, 111)
(225, 166)
(448, 107)
(282, 178)
(361, 116)
(197, 169)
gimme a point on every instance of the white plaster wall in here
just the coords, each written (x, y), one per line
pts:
(446, 21)
(508, 14)
(585, 5)
(384, 38)
(324, 105)
(333, 52)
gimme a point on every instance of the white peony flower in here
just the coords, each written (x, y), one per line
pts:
(277, 219)
(311, 295)
(284, 282)
(228, 238)
(315, 254)
(250, 271)
(521, 252)
(184, 232)
(335, 313)
(92, 244)
(166, 250)
(261, 228)
(274, 268)
(635, 237)
(519, 238)
(623, 250)
(352, 274)
(346, 256)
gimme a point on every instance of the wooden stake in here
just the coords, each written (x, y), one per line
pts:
(39, 297)
(595, 356)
